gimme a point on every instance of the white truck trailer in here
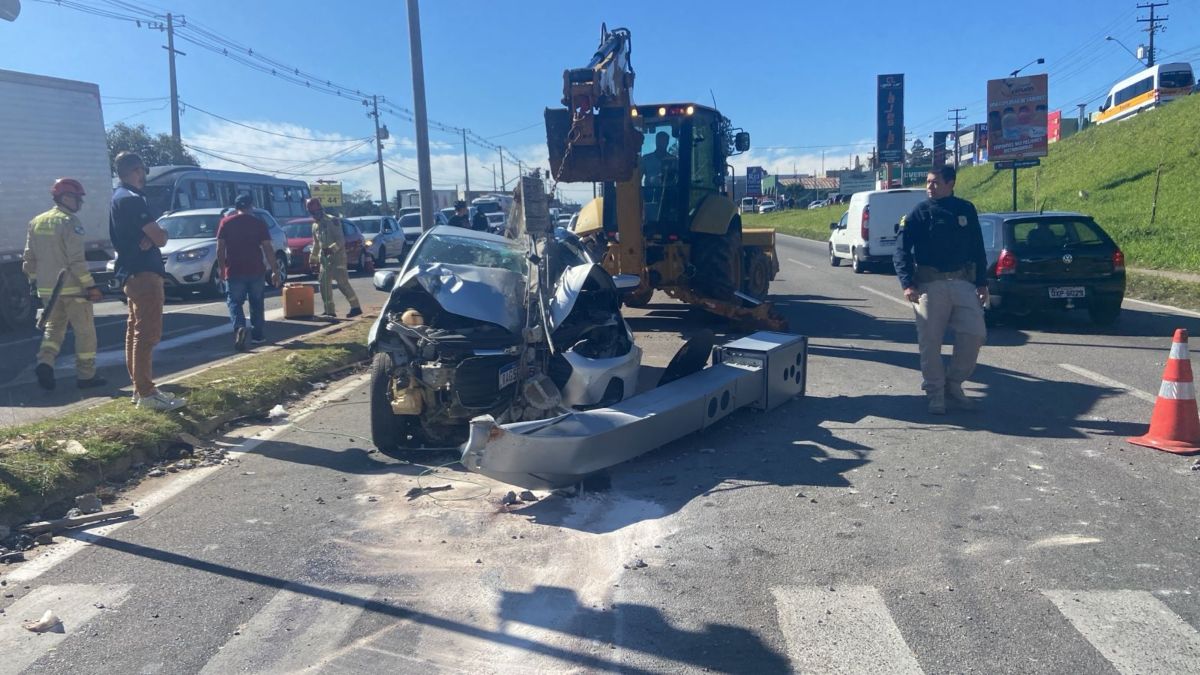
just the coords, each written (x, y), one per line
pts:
(49, 129)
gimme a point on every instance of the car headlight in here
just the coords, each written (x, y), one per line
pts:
(369, 242)
(308, 249)
(193, 254)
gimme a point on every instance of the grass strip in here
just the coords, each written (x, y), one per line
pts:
(38, 469)
(1163, 290)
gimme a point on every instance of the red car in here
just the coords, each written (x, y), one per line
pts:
(299, 236)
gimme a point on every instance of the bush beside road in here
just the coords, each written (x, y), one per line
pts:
(40, 466)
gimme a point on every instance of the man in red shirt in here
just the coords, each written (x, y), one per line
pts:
(243, 246)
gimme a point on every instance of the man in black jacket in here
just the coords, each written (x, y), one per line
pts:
(942, 268)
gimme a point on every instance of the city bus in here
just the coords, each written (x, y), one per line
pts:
(179, 188)
(1145, 90)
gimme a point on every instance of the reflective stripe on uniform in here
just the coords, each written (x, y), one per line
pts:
(1177, 391)
(1179, 350)
(85, 356)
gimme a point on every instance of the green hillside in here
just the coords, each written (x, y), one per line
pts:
(1108, 171)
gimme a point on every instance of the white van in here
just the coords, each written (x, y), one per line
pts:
(866, 234)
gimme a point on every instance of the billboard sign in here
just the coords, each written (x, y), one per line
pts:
(1017, 117)
(1054, 127)
(889, 128)
(329, 193)
(754, 179)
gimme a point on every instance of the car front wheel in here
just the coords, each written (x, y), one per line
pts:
(389, 431)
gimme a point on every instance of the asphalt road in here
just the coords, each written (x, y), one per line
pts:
(845, 532)
(196, 333)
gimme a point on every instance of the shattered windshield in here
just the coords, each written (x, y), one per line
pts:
(452, 250)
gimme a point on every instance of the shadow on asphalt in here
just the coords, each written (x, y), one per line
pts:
(717, 647)
(388, 608)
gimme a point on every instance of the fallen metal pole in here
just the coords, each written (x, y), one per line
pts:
(763, 370)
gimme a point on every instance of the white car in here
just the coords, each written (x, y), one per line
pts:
(190, 256)
(866, 233)
(767, 207)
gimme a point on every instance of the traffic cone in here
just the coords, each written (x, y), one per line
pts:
(1175, 423)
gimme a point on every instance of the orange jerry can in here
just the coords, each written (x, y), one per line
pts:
(297, 301)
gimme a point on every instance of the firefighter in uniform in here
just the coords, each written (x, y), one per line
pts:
(54, 244)
(329, 250)
(942, 268)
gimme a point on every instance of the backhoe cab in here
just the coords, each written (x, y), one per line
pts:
(664, 214)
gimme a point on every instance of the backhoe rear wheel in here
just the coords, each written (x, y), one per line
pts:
(717, 260)
(758, 274)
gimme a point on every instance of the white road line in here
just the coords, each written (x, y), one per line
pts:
(1167, 308)
(293, 631)
(849, 630)
(793, 260)
(1109, 382)
(77, 540)
(1134, 630)
(75, 604)
(900, 301)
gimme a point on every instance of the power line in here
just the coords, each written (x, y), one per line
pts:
(190, 106)
(276, 172)
(516, 131)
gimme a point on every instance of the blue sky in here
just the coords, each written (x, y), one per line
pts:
(798, 75)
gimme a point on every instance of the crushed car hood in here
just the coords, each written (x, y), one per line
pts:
(483, 293)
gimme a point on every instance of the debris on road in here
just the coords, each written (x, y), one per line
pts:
(48, 623)
(527, 496)
(635, 564)
(156, 473)
(88, 503)
(1196, 466)
(277, 413)
(66, 523)
(422, 491)
(12, 557)
(510, 498)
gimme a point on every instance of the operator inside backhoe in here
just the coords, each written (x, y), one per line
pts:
(660, 167)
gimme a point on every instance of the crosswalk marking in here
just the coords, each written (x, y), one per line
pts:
(1134, 630)
(293, 631)
(75, 604)
(847, 630)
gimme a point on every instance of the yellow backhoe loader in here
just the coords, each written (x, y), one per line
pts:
(663, 214)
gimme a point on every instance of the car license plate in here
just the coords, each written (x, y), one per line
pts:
(508, 375)
(1067, 292)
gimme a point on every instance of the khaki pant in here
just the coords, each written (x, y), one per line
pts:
(955, 304)
(143, 329)
(76, 313)
(333, 269)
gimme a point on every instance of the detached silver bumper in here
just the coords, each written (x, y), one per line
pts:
(763, 370)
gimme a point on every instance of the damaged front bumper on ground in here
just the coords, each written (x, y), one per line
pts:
(763, 371)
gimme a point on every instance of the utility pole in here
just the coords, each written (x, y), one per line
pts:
(466, 171)
(380, 135)
(493, 177)
(171, 52)
(957, 127)
(1082, 117)
(424, 176)
(503, 183)
(1151, 29)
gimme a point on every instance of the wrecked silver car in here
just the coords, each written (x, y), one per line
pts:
(477, 324)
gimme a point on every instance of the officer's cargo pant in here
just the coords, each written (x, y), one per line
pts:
(143, 329)
(76, 313)
(953, 303)
(333, 270)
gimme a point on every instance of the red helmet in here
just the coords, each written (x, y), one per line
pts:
(66, 186)
(313, 204)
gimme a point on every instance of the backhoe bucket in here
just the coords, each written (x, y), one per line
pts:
(596, 148)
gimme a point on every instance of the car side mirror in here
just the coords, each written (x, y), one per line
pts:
(833, 226)
(384, 280)
(626, 282)
(741, 141)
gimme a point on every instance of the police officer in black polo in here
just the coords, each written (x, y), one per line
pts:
(460, 217)
(943, 270)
